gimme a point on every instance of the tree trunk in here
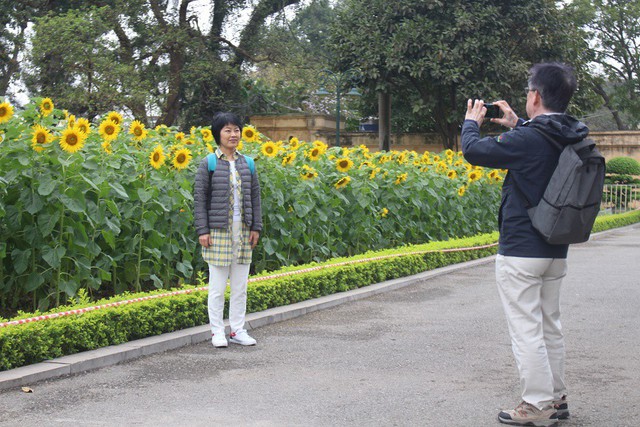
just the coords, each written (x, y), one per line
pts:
(261, 12)
(384, 120)
(12, 66)
(607, 103)
(171, 109)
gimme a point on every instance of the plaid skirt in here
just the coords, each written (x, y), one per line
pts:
(228, 245)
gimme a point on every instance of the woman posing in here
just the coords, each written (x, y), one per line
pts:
(228, 221)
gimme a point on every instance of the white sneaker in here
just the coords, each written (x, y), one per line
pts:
(242, 337)
(219, 340)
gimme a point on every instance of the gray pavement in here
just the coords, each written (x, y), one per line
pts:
(430, 350)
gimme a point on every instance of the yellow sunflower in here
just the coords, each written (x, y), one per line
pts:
(138, 130)
(342, 182)
(162, 130)
(115, 117)
(180, 136)
(46, 107)
(106, 146)
(71, 120)
(288, 159)
(373, 173)
(207, 136)
(181, 158)
(474, 175)
(344, 164)
(269, 149)
(313, 154)
(41, 136)
(294, 143)
(109, 130)
(452, 174)
(83, 126)
(384, 212)
(157, 157)
(249, 134)
(308, 172)
(461, 191)
(320, 146)
(209, 148)
(400, 179)
(72, 140)
(6, 112)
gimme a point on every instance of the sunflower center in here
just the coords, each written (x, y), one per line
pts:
(72, 140)
(41, 138)
(3, 111)
(137, 131)
(46, 106)
(156, 157)
(181, 158)
(269, 150)
(109, 130)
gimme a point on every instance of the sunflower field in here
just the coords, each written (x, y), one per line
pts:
(105, 207)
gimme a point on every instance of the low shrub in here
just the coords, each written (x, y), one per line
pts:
(623, 166)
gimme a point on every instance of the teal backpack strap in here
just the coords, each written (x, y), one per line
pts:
(212, 161)
(251, 163)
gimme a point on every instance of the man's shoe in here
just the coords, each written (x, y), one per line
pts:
(526, 414)
(562, 407)
(242, 337)
(219, 340)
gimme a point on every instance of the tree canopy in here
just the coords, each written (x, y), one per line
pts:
(613, 28)
(439, 53)
(155, 58)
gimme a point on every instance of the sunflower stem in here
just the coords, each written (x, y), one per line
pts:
(140, 234)
(61, 234)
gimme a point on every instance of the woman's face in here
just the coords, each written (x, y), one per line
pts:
(230, 137)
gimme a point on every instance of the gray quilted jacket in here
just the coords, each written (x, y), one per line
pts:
(216, 215)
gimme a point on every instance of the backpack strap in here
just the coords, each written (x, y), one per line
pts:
(212, 161)
(251, 163)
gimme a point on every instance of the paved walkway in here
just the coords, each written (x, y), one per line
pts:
(431, 350)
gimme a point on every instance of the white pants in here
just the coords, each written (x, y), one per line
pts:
(237, 275)
(530, 292)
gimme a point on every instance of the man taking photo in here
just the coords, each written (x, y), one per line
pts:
(529, 271)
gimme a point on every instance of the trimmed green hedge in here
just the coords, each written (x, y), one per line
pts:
(623, 166)
(30, 343)
(607, 222)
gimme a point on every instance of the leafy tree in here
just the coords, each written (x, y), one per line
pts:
(161, 59)
(297, 53)
(436, 53)
(14, 19)
(614, 29)
(76, 64)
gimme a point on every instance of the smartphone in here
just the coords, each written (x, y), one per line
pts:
(493, 111)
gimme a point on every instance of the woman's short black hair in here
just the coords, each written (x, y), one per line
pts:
(220, 120)
(555, 82)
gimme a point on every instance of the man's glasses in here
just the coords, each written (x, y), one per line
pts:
(527, 90)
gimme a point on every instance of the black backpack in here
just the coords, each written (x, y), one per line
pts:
(571, 201)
